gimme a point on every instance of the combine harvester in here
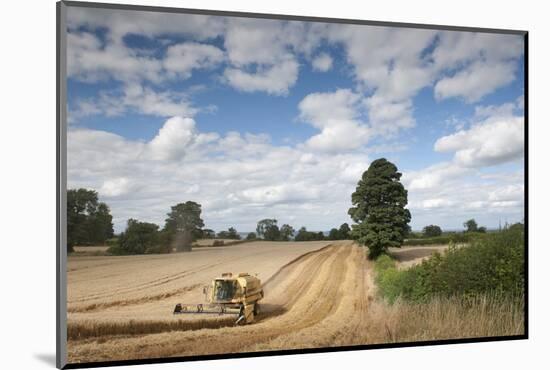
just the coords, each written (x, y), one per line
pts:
(229, 295)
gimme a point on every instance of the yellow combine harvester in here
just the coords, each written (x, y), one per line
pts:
(229, 295)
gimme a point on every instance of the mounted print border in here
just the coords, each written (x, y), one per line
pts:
(193, 201)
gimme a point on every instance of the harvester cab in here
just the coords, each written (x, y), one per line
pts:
(229, 294)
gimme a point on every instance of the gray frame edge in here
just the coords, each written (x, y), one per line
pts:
(61, 186)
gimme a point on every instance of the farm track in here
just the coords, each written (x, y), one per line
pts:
(318, 299)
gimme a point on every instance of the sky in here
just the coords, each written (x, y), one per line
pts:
(258, 118)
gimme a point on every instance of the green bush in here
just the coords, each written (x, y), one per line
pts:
(218, 243)
(491, 263)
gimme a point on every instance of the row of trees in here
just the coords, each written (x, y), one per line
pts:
(183, 226)
(90, 222)
(470, 226)
(268, 229)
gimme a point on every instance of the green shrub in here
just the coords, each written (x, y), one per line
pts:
(218, 243)
(491, 263)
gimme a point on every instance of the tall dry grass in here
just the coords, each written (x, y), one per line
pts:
(445, 318)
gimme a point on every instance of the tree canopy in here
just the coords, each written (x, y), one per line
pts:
(268, 229)
(431, 231)
(184, 225)
(286, 232)
(379, 211)
(470, 225)
(231, 233)
(303, 235)
(88, 220)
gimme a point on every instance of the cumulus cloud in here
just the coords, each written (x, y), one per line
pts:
(491, 142)
(134, 97)
(183, 58)
(464, 184)
(116, 187)
(262, 55)
(433, 176)
(173, 139)
(90, 60)
(274, 79)
(235, 176)
(476, 81)
(149, 24)
(337, 116)
(473, 65)
(322, 62)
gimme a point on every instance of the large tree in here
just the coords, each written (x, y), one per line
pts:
(379, 203)
(184, 225)
(268, 229)
(88, 220)
(431, 231)
(139, 238)
(470, 225)
(286, 232)
(344, 231)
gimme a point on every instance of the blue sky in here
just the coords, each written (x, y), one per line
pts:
(257, 119)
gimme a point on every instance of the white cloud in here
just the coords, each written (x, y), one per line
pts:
(388, 117)
(507, 193)
(433, 176)
(473, 65)
(115, 187)
(183, 58)
(491, 142)
(238, 178)
(149, 24)
(337, 116)
(476, 81)
(89, 60)
(274, 79)
(135, 98)
(322, 62)
(455, 49)
(464, 188)
(262, 55)
(173, 139)
(436, 203)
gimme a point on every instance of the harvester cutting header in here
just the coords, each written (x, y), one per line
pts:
(229, 295)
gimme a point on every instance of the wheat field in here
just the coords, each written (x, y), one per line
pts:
(317, 294)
